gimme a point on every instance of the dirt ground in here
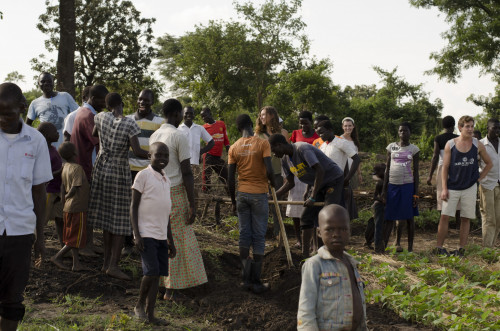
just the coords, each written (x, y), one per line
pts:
(218, 305)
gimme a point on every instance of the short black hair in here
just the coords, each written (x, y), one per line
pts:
(243, 121)
(448, 122)
(43, 73)
(492, 121)
(171, 106)
(189, 108)
(306, 114)
(407, 124)
(67, 150)
(99, 91)
(277, 138)
(113, 100)
(206, 109)
(149, 91)
(10, 91)
(327, 124)
(44, 127)
(321, 118)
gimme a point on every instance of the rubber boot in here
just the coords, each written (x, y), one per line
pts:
(257, 286)
(246, 274)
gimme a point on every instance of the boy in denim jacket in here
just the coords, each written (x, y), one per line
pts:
(331, 295)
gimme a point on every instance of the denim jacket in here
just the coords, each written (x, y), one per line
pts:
(325, 295)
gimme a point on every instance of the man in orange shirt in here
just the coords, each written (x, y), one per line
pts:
(320, 118)
(251, 157)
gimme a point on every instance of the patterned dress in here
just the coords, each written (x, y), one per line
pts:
(110, 193)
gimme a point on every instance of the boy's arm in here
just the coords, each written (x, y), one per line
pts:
(287, 185)
(486, 159)
(134, 219)
(444, 173)
(63, 195)
(434, 162)
(172, 251)
(306, 315)
(231, 184)
(72, 192)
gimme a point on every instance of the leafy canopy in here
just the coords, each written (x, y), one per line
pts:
(473, 39)
(113, 45)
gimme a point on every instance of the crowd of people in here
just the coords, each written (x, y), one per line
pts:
(132, 177)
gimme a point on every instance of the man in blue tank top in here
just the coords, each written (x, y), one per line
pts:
(459, 182)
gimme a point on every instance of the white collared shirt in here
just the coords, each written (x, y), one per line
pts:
(178, 148)
(194, 134)
(24, 162)
(491, 180)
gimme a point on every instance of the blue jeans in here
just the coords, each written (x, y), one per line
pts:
(253, 212)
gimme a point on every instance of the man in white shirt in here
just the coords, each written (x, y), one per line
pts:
(194, 133)
(52, 106)
(24, 170)
(489, 190)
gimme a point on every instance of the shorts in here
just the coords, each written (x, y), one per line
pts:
(439, 189)
(75, 229)
(53, 207)
(154, 257)
(466, 198)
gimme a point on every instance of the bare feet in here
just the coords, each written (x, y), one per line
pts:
(80, 267)
(58, 263)
(87, 251)
(140, 313)
(117, 273)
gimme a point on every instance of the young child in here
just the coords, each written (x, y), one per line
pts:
(149, 215)
(401, 184)
(75, 198)
(331, 295)
(53, 208)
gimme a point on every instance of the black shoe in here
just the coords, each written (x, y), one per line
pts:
(246, 274)
(440, 251)
(257, 286)
(458, 252)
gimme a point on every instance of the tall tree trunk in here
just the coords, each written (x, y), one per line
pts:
(67, 41)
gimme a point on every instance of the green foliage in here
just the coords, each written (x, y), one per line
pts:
(230, 65)
(444, 297)
(490, 104)
(473, 39)
(14, 77)
(113, 46)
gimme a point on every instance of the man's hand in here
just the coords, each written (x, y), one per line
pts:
(139, 243)
(192, 215)
(39, 248)
(308, 203)
(415, 201)
(429, 181)
(444, 194)
(172, 251)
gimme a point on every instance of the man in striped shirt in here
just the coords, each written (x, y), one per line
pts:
(148, 122)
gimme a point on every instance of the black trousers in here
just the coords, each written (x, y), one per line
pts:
(15, 263)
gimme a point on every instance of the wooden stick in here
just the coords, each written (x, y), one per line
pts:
(282, 228)
(280, 202)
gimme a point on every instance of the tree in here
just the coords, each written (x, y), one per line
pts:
(473, 38)
(66, 50)
(230, 65)
(113, 44)
(14, 77)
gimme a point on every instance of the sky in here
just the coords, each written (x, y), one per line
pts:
(355, 35)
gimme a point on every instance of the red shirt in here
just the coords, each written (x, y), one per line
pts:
(83, 139)
(219, 134)
(297, 136)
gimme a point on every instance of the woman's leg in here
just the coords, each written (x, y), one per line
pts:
(116, 249)
(411, 233)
